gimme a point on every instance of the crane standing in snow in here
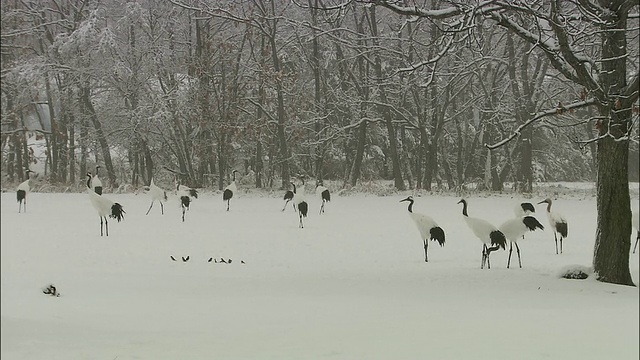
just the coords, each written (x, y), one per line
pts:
(228, 192)
(325, 195)
(104, 207)
(515, 228)
(557, 222)
(428, 228)
(22, 190)
(185, 194)
(156, 193)
(288, 196)
(486, 232)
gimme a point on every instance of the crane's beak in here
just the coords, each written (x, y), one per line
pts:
(404, 200)
(461, 201)
(543, 201)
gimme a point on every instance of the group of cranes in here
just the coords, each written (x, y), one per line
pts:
(300, 204)
(493, 238)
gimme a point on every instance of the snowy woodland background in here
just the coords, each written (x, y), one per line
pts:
(378, 100)
(278, 88)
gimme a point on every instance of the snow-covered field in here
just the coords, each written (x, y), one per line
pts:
(352, 284)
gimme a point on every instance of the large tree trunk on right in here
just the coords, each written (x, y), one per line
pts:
(613, 232)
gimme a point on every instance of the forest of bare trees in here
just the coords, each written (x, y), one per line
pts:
(344, 91)
(424, 93)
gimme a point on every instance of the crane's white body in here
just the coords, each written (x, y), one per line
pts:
(480, 228)
(100, 203)
(424, 224)
(513, 229)
(24, 186)
(157, 194)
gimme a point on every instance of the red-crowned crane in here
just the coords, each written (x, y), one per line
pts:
(96, 183)
(22, 191)
(288, 196)
(156, 193)
(104, 207)
(514, 229)
(428, 228)
(325, 195)
(185, 194)
(301, 203)
(557, 222)
(487, 233)
(634, 223)
(228, 192)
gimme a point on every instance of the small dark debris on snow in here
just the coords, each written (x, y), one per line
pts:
(51, 290)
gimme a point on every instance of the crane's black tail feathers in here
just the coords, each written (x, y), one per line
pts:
(98, 190)
(528, 207)
(437, 234)
(193, 193)
(21, 194)
(532, 223)
(326, 196)
(185, 200)
(562, 228)
(498, 239)
(303, 207)
(288, 195)
(117, 212)
(227, 194)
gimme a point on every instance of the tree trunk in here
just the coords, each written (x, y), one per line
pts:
(386, 114)
(613, 232)
(102, 139)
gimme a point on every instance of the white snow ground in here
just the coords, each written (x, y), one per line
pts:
(352, 284)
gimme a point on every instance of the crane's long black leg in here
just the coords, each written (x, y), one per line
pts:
(518, 250)
(484, 256)
(25, 204)
(228, 204)
(301, 225)
(183, 210)
(152, 201)
(101, 233)
(285, 205)
(161, 208)
(636, 245)
(510, 251)
(556, 236)
(106, 225)
(426, 245)
(560, 244)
